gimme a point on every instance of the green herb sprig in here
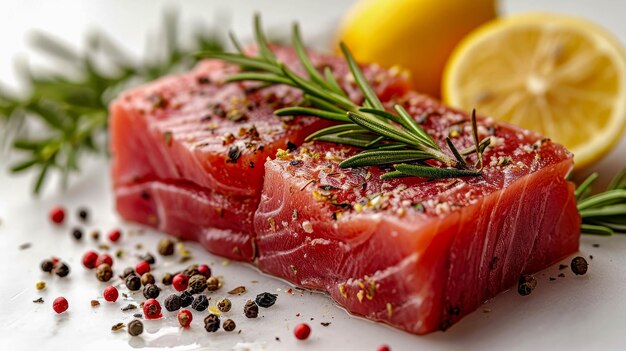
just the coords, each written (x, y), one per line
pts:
(603, 213)
(72, 106)
(388, 138)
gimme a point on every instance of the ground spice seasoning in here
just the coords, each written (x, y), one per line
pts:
(135, 327)
(579, 265)
(250, 309)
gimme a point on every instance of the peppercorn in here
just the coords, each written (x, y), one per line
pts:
(135, 327)
(186, 299)
(151, 291)
(77, 233)
(133, 282)
(166, 247)
(128, 271)
(104, 272)
(142, 267)
(180, 282)
(115, 235)
(204, 270)
(57, 214)
(229, 325)
(383, 348)
(212, 323)
(526, 284)
(191, 270)
(110, 293)
(184, 318)
(47, 266)
(89, 259)
(200, 303)
(197, 284)
(147, 278)
(251, 310)
(40, 285)
(83, 214)
(60, 305)
(62, 270)
(266, 299)
(148, 257)
(104, 258)
(95, 235)
(152, 309)
(579, 265)
(224, 305)
(172, 303)
(302, 331)
(212, 284)
(167, 279)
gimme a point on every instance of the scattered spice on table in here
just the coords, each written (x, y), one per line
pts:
(95, 303)
(325, 324)
(212, 323)
(60, 304)
(110, 293)
(114, 235)
(62, 270)
(561, 275)
(383, 348)
(133, 282)
(596, 245)
(200, 303)
(104, 258)
(152, 309)
(562, 266)
(526, 284)
(95, 235)
(57, 215)
(117, 326)
(167, 279)
(186, 299)
(142, 267)
(39, 300)
(135, 327)
(128, 271)
(204, 270)
(151, 291)
(197, 284)
(165, 247)
(25, 246)
(180, 282)
(191, 270)
(266, 299)
(251, 309)
(47, 266)
(104, 272)
(184, 318)
(229, 325)
(224, 305)
(172, 303)
(83, 214)
(302, 331)
(40, 285)
(147, 278)
(579, 265)
(212, 284)
(238, 290)
(129, 307)
(89, 259)
(77, 233)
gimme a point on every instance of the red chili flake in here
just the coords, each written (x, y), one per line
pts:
(180, 282)
(104, 258)
(184, 318)
(383, 348)
(60, 305)
(142, 267)
(302, 331)
(152, 309)
(57, 214)
(114, 235)
(110, 293)
(89, 259)
(204, 270)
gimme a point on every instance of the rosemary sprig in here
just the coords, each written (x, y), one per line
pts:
(72, 106)
(388, 138)
(603, 213)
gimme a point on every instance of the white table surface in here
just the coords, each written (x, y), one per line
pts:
(571, 313)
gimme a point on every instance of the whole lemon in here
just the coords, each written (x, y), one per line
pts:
(418, 35)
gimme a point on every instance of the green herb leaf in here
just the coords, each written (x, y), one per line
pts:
(384, 157)
(434, 172)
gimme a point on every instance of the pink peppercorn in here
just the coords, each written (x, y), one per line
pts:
(383, 348)
(57, 214)
(60, 305)
(180, 282)
(142, 267)
(110, 293)
(152, 309)
(302, 331)
(204, 270)
(104, 258)
(115, 235)
(184, 318)
(89, 259)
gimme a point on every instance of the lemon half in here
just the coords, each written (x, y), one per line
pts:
(562, 76)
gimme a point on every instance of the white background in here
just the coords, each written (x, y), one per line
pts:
(573, 313)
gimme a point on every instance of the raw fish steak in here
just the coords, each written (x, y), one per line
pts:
(189, 150)
(418, 254)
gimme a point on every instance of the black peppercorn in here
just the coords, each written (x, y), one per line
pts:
(104, 272)
(197, 284)
(128, 271)
(224, 305)
(526, 284)
(135, 327)
(251, 309)
(166, 247)
(133, 282)
(212, 284)
(167, 279)
(83, 214)
(579, 265)
(212, 323)
(77, 233)
(147, 278)
(191, 270)
(62, 270)
(186, 299)
(229, 325)
(148, 258)
(200, 303)
(47, 266)
(151, 291)
(172, 303)
(266, 299)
